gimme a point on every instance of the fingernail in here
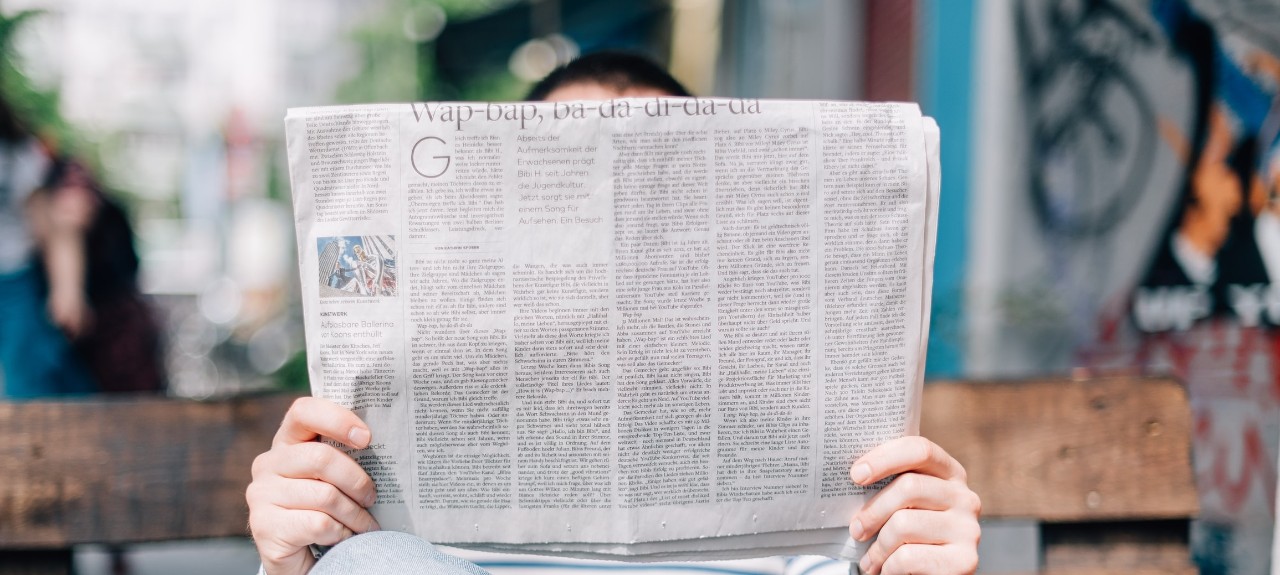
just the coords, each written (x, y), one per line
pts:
(856, 530)
(359, 436)
(373, 525)
(860, 473)
(370, 500)
(865, 564)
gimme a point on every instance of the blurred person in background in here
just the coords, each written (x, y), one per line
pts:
(306, 492)
(35, 354)
(91, 272)
(71, 317)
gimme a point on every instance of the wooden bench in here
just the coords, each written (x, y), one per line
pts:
(1102, 465)
(116, 470)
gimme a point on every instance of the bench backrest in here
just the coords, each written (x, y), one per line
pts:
(128, 470)
(1104, 465)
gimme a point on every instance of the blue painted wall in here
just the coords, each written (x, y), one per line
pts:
(945, 40)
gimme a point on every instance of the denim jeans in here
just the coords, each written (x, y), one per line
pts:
(391, 553)
(35, 358)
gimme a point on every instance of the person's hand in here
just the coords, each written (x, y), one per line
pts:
(70, 311)
(305, 491)
(73, 207)
(60, 218)
(927, 517)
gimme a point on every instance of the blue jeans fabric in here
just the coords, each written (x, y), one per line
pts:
(36, 358)
(391, 553)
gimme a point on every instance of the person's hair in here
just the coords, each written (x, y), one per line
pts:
(617, 70)
(12, 129)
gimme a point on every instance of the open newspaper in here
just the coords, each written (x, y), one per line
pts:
(646, 329)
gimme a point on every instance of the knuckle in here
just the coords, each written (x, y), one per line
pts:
(327, 496)
(299, 404)
(252, 494)
(260, 465)
(363, 484)
(974, 503)
(255, 524)
(971, 532)
(876, 553)
(911, 483)
(365, 487)
(908, 555)
(871, 519)
(921, 449)
(293, 414)
(318, 456)
(891, 532)
(315, 526)
(902, 561)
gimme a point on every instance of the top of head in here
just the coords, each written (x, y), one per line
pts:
(605, 75)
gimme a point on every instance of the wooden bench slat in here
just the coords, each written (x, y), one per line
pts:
(155, 469)
(1117, 545)
(1064, 451)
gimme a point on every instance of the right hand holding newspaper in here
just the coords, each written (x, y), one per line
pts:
(646, 329)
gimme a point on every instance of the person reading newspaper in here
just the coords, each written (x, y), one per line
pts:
(306, 492)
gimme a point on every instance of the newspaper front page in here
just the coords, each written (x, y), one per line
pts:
(654, 328)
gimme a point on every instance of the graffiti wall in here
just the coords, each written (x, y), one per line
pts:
(1140, 219)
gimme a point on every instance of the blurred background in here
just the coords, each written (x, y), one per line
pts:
(1111, 171)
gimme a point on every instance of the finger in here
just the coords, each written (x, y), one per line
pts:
(929, 560)
(312, 495)
(325, 529)
(911, 453)
(319, 461)
(912, 491)
(919, 527)
(313, 417)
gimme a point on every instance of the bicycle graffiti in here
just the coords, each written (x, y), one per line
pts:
(1093, 128)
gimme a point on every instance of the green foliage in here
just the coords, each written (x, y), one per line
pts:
(395, 68)
(465, 9)
(388, 69)
(494, 87)
(38, 108)
(293, 374)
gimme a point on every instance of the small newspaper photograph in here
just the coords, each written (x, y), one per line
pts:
(640, 329)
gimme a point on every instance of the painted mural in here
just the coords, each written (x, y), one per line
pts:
(1152, 191)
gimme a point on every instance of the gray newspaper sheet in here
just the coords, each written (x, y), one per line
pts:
(645, 329)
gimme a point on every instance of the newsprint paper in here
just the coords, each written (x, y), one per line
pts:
(646, 329)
